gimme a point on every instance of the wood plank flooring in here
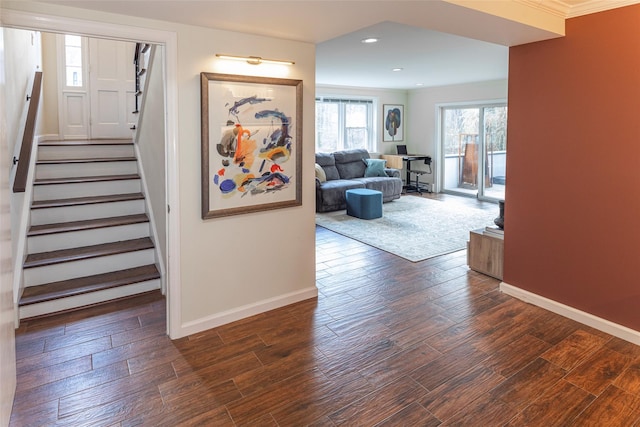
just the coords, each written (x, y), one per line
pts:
(387, 343)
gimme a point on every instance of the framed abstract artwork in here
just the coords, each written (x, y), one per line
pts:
(251, 144)
(392, 120)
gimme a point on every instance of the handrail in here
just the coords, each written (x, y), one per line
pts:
(140, 50)
(22, 171)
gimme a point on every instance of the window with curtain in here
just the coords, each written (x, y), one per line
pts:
(344, 123)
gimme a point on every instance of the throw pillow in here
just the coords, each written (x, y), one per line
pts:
(320, 173)
(375, 167)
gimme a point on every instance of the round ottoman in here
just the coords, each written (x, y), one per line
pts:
(364, 203)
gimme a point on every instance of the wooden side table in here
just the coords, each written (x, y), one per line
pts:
(485, 253)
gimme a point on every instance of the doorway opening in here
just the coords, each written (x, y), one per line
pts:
(168, 40)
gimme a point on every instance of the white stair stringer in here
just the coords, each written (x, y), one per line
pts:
(69, 303)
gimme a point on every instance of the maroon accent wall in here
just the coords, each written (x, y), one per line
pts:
(572, 214)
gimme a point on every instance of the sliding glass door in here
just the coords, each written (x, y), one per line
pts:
(474, 150)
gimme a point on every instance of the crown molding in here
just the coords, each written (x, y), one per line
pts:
(594, 6)
(553, 7)
(573, 9)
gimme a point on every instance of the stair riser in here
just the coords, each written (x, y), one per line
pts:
(87, 299)
(84, 151)
(82, 212)
(87, 267)
(74, 239)
(64, 170)
(85, 189)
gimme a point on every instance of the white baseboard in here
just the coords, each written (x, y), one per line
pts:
(583, 317)
(229, 316)
(47, 137)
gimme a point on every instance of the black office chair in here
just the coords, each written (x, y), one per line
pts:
(419, 172)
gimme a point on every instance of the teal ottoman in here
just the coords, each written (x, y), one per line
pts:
(364, 203)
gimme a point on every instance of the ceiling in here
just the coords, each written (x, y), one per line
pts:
(425, 57)
(435, 42)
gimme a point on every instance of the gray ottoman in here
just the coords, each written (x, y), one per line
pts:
(364, 203)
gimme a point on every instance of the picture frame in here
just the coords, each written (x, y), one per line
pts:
(251, 144)
(392, 122)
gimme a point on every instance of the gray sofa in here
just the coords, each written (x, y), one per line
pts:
(345, 170)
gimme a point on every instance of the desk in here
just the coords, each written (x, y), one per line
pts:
(396, 161)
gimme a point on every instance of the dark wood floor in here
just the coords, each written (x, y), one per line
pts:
(387, 343)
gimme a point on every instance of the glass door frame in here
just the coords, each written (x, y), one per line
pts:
(478, 193)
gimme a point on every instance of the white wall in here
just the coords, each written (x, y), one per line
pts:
(7, 338)
(382, 96)
(234, 266)
(150, 140)
(236, 262)
(423, 108)
(22, 60)
(49, 101)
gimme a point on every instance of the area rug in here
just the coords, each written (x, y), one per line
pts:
(412, 227)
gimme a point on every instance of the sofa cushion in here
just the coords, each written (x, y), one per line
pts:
(391, 187)
(322, 177)
(328, 164)
(350, 164)
(330, 196)
(375, 167)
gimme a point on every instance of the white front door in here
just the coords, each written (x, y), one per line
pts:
(112, 88)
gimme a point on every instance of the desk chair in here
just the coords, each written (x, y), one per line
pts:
(406, 157)
(419, 172)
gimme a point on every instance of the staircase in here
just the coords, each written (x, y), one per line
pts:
(89, 240)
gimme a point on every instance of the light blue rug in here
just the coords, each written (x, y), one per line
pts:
(412, 227)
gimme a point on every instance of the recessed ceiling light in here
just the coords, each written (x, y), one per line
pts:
(397, 69)
(369, 40)
(419, 84)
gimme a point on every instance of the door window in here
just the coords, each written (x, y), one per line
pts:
(474, 150)
(73, 61)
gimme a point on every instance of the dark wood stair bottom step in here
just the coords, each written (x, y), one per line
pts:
(86, 224)
(77, 201)
(86, 252)
(84, 285)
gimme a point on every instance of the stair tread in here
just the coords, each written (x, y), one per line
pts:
(87, 160)
(83, 285)
(85, 252)
(78, 179)
(54, 203)
(86, 224)
(86, 142)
